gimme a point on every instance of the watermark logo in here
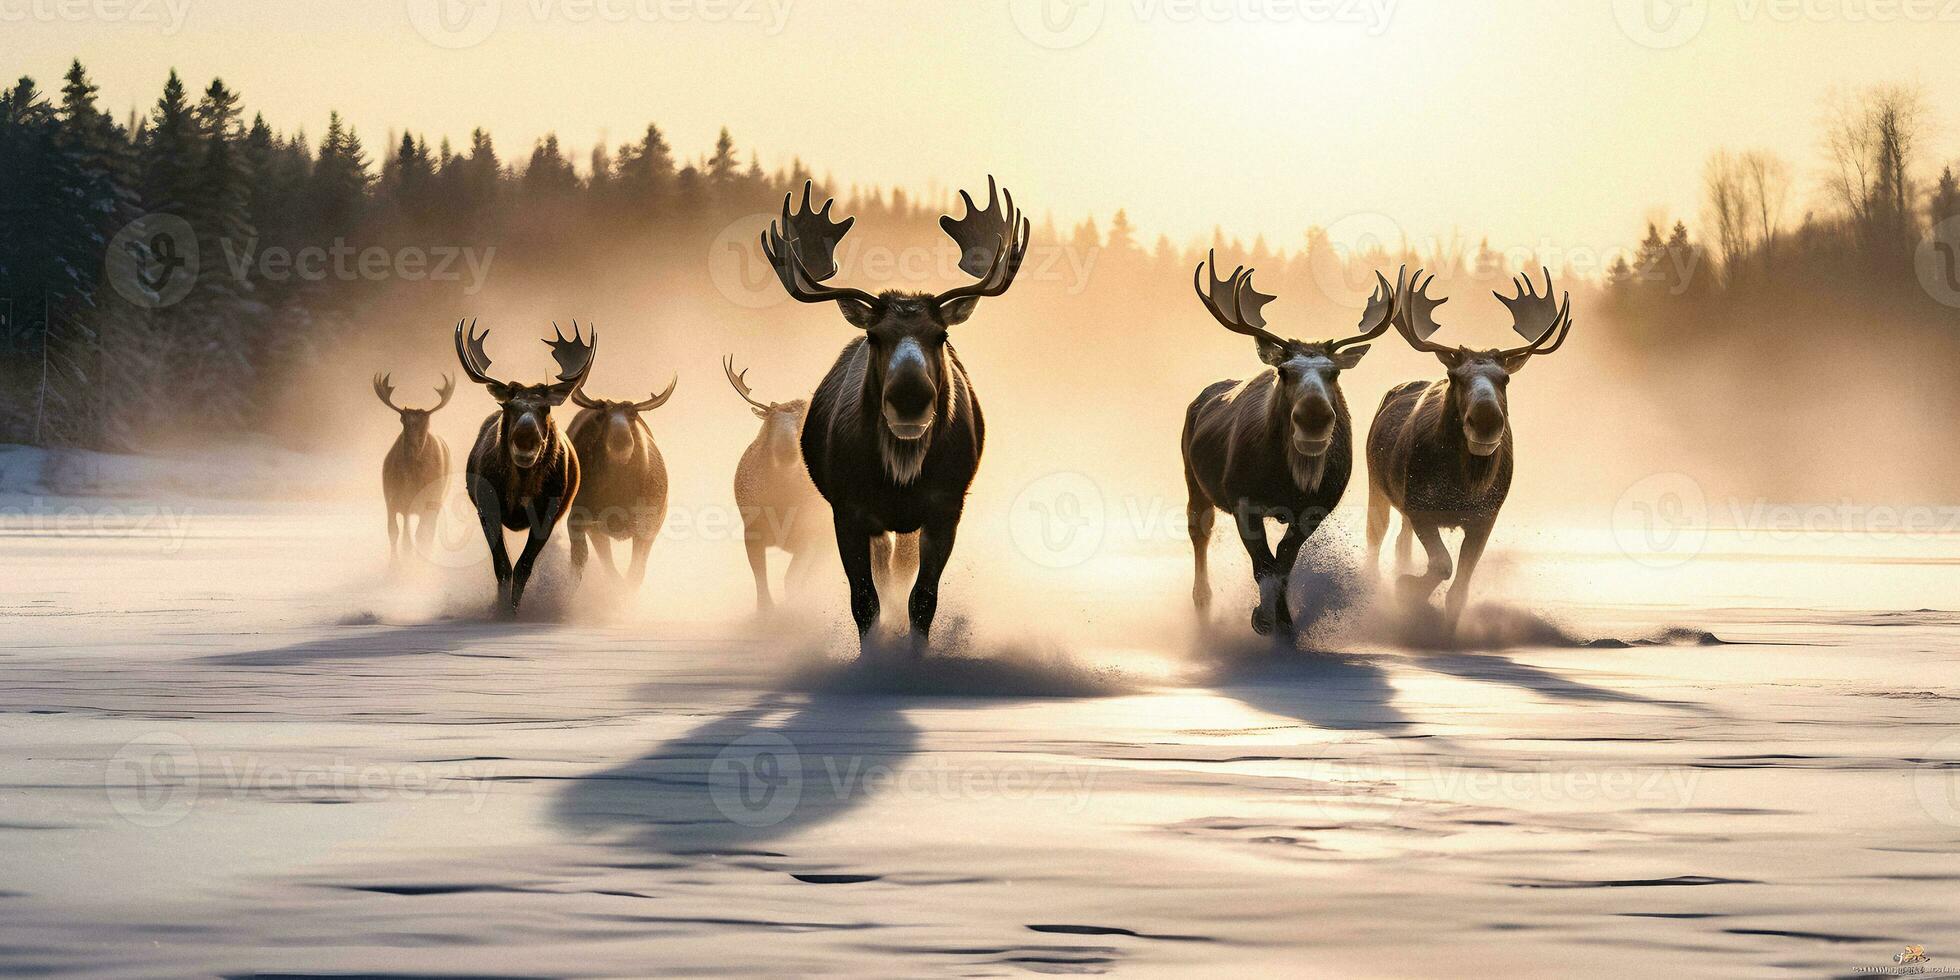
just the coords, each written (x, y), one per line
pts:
(152, 261)
(1344, 272)
(757, 780)
(1058, 521)
(1937, 260)
(1937, 783)
(738, 269)
(1661, 521)
(152, 780)
(455, 24)
(1362, 780)
(1661, 24)
(1058, 24)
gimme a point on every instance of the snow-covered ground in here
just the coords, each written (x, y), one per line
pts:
(232, 742)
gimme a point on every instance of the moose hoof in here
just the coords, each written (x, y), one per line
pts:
(1414, 588)
(1262, 621)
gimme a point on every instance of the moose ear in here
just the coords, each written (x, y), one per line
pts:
(1347, 358)
(1272, 353)
(956, 312)
(1515, 362)
(859, 313)
(500, 391)
(1450, 358)
(556, 394)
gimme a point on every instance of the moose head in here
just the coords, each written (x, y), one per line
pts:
(527, 427)
(621, 419)
(906, 332)
(1306, 395)
(1478, 378)
(415, 421)
(780, 420)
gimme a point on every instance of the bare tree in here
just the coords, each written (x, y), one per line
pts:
(1871, 139)
(1766, 179)
(1728, 210)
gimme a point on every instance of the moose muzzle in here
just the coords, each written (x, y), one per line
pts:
(1483, 426)
(910, 395)
(1313, 425)
(619, 439)
(526, 441)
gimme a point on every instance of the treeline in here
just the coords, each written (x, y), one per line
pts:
(102, 347)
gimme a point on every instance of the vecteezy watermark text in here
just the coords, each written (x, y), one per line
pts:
(460, 24)
(157, 780)
(169, 14)
(343, 262)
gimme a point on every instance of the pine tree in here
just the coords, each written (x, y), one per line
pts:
(723, 169)
(340, 180)
(170, 152)
(47, 255)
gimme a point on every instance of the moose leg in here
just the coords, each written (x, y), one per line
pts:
(1416, 588)
(1378, 514)
(1199, 517)
(394, 538)
(579, 548)
(759, 567)
(489, 517)
(854, 547)
(1474, 538)
(602, 546)
(636, 567)
(1289, 551)
(935, 546)
(1252, 531)
(425, 534)
(802, 563)
(521, 574)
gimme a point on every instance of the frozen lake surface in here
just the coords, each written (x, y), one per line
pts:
(230, 744)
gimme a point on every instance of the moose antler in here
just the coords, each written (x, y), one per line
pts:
(1415, 320)
(469, 350)
(740, 382)
(992, 244)
(802, 246)
(660, 399)
(1233, 301)
(386, 389)
(1379, 313)
(1535, 317)
(574, 356)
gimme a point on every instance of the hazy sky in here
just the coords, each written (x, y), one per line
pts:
(1558, 125)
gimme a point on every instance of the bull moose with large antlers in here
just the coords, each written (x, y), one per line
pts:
(622, 490)
(521, 474)
(414, 469)
(894, 431)
(1440, 451)
(1278, 446)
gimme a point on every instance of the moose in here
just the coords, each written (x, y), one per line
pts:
(779, 505)
(413, 470)
(1440, 452)
(521, 475)
(622, 489)
(894, 432)
(1277, 446)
